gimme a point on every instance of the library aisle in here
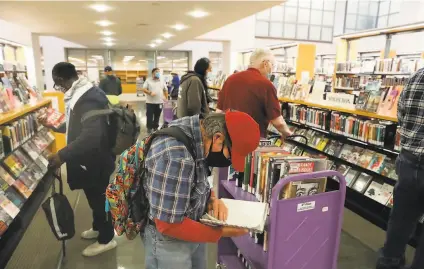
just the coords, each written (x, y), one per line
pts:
(130, 253)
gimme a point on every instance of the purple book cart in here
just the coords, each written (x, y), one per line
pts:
(169, 110)
(304, 231)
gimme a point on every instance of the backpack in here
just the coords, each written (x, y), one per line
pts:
(125, 196)
(59, 213)
(123, 126)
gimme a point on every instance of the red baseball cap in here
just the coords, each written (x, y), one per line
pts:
(244, 134)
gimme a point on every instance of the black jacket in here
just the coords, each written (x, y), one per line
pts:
(111, 85)
(88, 156)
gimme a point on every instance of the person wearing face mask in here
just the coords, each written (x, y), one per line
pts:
(178, 191)
(88, 155)
(252, 92)
(111, 85)
(193, 96)
(156, 93)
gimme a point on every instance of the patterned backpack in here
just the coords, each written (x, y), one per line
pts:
(125, 196)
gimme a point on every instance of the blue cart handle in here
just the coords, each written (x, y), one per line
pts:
(305, 176)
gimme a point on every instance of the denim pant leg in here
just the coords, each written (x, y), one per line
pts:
(164, 252)
(405, 214)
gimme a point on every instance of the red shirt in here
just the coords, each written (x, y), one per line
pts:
(248, 91)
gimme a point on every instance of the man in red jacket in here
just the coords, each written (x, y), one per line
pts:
(178, 190)
(252, 92)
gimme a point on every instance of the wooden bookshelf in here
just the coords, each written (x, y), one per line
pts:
(340, 109)
(19, 112)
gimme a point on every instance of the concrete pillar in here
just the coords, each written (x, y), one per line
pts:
(35, 76)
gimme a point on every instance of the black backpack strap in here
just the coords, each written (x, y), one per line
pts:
(176, 133)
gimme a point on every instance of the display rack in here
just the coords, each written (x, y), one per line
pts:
(290, 227)
(128, 79)
(14, 233)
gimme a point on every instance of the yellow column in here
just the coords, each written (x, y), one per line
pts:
(305, 60)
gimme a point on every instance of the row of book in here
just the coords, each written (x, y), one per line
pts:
(20, 174)
(382, 101)
(376, 132)
(397, 65)
(357, 155)
(348, 82)
(16, 91)
(317, 118)
(375, 189)
(18, 132)
(219, 80)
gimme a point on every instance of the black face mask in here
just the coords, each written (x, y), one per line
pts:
(217, 159)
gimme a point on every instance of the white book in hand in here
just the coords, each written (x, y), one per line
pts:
(241, 214)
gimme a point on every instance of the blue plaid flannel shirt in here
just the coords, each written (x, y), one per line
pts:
(173, 190)
(411, 114)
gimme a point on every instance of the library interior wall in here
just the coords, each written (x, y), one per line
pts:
(54, 52)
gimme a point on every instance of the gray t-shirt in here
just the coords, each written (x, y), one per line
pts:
(156, 86)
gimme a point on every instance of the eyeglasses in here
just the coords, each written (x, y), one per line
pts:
(59, 88)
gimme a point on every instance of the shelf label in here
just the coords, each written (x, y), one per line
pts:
(305, 206)
(265, 143)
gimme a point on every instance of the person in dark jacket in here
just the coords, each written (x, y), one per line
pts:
(88, 155)
(111, 85)
(193, 97)
(175, 86)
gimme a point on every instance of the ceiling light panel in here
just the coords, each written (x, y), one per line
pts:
(167, 35)
(198, 13)
(100, 7)
(108, 39)
(179, 27)
(107, 33)
(104, 23)
(152, 45)
(158, 41)
(109, 44)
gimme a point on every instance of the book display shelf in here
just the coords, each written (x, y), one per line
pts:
(355, 124)
(128, 79)
(24, 177)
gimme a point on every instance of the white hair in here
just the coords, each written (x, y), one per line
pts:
(260, 55)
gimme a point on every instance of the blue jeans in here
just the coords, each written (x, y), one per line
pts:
(164, 252)
(408, 207)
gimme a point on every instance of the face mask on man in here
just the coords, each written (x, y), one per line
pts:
(157, 75)
(217, 159)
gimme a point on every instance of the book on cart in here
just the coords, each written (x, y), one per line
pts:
(241, 214)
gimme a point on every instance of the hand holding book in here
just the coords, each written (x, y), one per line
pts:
(217, 209)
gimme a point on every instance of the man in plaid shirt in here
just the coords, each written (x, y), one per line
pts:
(408, 196)
(178, 190)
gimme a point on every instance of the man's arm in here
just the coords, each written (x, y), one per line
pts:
(89, 139)
(281, 125)
(119, 87)
(61, 129)
(145, 88)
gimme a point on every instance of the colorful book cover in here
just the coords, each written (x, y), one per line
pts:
(303, 188)
(8, 206)
(13, 195)
(333, 148)
(377, 162)
(365, 158)
(380, 192)
(30, 151)
(355, 155)
(5, 221)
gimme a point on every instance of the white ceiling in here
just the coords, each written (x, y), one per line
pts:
(74, 20)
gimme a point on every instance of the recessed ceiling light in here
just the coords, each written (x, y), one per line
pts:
(100, 7)
(108, 39)
(104, 23)
(198, 13)
(152, 45)
(179, 27)
(167, 35)
(107, 33)
(161, 57)
(158, 41)
(109, 44)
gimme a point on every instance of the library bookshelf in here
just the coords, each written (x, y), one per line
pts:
(13, 231)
